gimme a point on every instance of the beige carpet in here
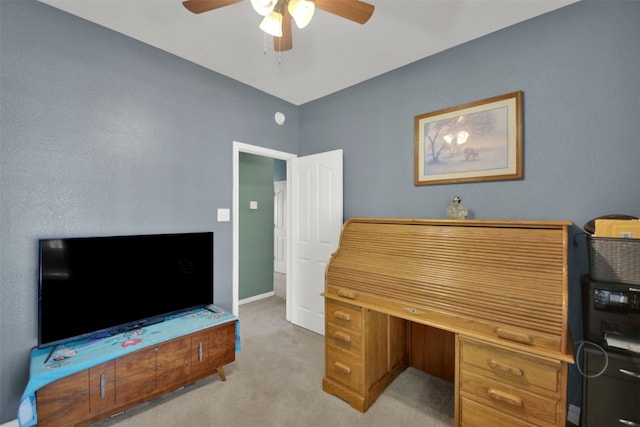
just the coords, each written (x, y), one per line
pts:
(277, 381)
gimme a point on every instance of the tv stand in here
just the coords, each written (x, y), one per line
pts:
(107, 387)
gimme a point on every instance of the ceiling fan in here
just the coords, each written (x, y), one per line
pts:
(278, 14)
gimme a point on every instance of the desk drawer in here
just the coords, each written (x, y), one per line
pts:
(474, 414)
(343, 338)
(344, 367)
(344, 315)
(528, 406)
(502, 364)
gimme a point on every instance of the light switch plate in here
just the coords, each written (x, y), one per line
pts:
(223, 215)
(253, 204)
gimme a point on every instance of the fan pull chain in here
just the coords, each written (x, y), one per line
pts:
(265, 44)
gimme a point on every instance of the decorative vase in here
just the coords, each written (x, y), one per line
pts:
(456, 210)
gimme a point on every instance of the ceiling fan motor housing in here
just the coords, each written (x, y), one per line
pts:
(278, 14)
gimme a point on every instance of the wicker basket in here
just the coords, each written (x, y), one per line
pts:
(614, 260)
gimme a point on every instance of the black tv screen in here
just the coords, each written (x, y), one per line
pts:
(110, 284)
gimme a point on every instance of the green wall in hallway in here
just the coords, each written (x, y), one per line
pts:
(256, 225)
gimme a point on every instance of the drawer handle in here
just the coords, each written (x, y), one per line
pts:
(342, 336)
(342, 367)
(342, 315)
(103, 392)
(505, 368)
(504, 397)
(200, 352)
(514, 336)
(630, 373)
(627, 422)
(347, 294)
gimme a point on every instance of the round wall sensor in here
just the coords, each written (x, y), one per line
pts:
(279, 118)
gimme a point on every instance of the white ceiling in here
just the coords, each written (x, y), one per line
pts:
(330, 54)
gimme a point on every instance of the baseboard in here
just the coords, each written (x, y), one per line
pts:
(13, 423)
(251, 299)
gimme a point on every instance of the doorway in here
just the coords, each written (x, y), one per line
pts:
(239, 147)
(314, 220)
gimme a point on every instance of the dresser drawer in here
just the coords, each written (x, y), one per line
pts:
(502, 364)
(530, 407)
(344, 367)
(612, 397)
(622, 367)
(474, 414)
(608, 400)
(344, 315)
(343, 338)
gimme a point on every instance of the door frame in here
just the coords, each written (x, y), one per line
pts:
(240, 147)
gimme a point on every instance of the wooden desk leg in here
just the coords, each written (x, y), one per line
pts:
(221, 373)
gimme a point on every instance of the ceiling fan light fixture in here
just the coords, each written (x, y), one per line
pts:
(272, 24)
(301, 11)
(263, 7)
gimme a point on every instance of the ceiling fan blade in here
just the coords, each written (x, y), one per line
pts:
(280, 44)
(353, 10)
(199, 6)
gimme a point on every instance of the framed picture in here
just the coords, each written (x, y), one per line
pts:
(478, 141)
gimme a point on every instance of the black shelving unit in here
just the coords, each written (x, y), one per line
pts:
(611, 382)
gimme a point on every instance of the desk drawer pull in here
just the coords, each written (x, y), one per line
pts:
(630, 373)
(493, 364)
(342, 367)
(347, 294)
(514, 336)
(342, 315)
(504, 397)
(627, 422)
(342, 336)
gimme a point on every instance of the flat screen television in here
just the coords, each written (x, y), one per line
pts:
(110, 284)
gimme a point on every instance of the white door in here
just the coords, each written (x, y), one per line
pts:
(279, 227)
(316, 222)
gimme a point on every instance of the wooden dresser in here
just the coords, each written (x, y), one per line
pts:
(129, 380)
(497, 287)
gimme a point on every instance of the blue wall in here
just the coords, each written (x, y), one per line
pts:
(578, 68)
(102, 135)
(279, 170)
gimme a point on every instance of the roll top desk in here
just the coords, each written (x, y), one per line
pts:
(498, 288)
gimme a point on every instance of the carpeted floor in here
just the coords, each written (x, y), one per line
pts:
(276, 380)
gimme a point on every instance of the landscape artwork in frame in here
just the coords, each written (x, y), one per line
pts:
(478, 141)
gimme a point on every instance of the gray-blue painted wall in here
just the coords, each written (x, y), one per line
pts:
(101, 134)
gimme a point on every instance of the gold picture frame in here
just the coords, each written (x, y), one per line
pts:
(474, 142)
